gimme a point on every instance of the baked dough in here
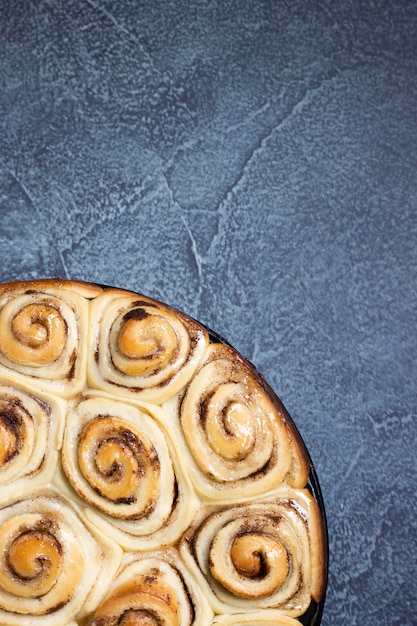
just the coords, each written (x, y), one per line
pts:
(148, 474)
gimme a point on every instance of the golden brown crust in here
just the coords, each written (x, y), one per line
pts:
(300, 466)
(44, 335)
(124, 468)
(87, 290)
(31, 427)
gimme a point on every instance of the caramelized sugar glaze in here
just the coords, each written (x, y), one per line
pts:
(148, 474)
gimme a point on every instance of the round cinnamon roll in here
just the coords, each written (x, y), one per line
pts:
(238, 442)
(152, 591)
(49, 562)
(43, 329)
(264, 555)
(30, 431)
(118, 460)
(142, 347)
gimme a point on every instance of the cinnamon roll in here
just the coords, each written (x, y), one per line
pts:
(151, 591)
(43, 332)
(50, 562)
(142, 347)
(236, 438)
(117, 458)
(30, 432)
(264, 555)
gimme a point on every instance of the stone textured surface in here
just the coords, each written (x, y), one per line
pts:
(254, 164)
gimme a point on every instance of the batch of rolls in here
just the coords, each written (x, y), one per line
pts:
(148, 476)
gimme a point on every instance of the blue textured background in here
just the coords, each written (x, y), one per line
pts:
(252, 163)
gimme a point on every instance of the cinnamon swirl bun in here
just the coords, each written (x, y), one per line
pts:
(43, 334)
(142, 347)
(30, 434)
(50, 562)
(117, 458)
(153, 590)
(264, 555)
(235, 436)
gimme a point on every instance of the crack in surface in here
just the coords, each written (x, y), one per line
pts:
(193, 243)
(196, 256)
(64, 265)
(191, 143)
(27, 194)
(261, 143)
(220, 207)
(296, 109)
(121, 28)
(32, 202)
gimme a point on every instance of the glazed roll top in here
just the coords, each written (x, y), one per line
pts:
(30, 430)
(268, 554)
(119, 461)
(236, 438)
(43, 334)
(142, 347)
(49, 561)
(154, 590)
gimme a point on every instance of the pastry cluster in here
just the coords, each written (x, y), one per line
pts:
(148, 475)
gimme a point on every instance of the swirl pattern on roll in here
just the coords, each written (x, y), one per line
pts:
(237, 438)
(49, 561)
(29, 434)
(265, 555)
(42, 335)
(148, 474)
(117, 459)
(153, 591)
(142, 347)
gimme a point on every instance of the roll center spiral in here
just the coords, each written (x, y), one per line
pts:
(34, 560)
(142, 601)
(8, 443)
(12, 431)
(256, 564)
(229, 424)
(36, 336)
(115, 460)
(145, 342)
(252, 556)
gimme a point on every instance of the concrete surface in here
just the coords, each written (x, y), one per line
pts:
(252, 163)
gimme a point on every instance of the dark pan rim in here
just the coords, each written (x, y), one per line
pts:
(313, 615)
